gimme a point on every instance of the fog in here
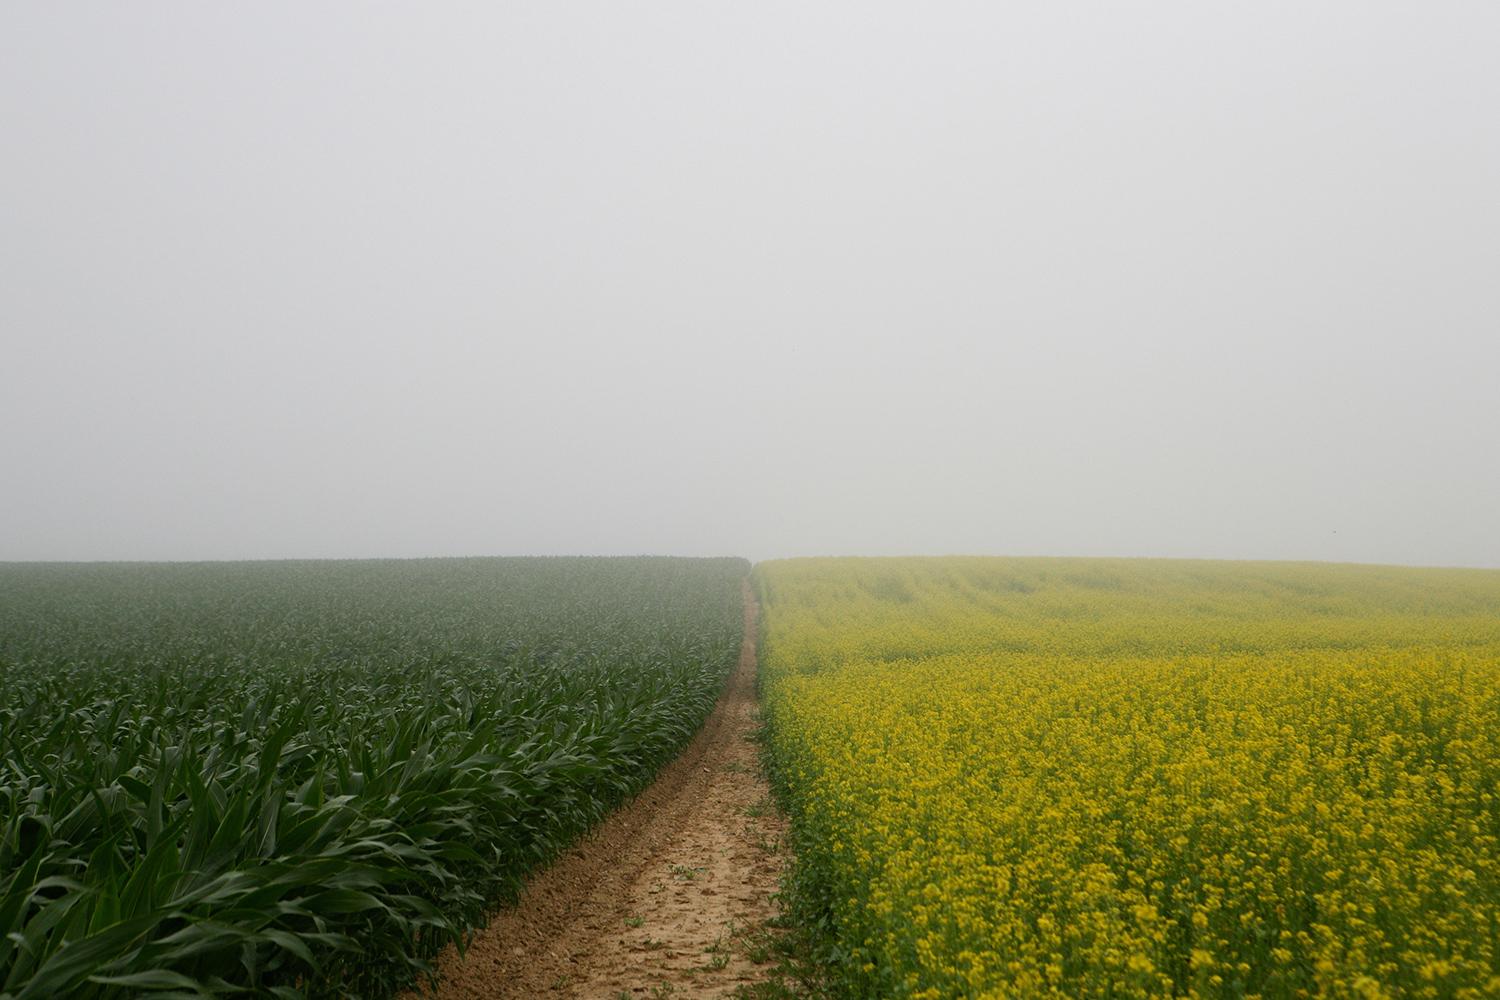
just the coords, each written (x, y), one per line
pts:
(763, 279)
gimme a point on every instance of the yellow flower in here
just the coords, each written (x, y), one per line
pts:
(1055, 777)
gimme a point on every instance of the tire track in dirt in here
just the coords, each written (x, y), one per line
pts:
(652, 902)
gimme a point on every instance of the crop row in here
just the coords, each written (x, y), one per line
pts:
(303, 779)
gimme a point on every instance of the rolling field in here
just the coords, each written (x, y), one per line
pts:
(1114, 778)
(291, 779)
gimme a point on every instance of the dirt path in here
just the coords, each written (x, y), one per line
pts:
(653, 903)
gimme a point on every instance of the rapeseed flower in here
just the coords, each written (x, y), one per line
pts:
(1091, 778)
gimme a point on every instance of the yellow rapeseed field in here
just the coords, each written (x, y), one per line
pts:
(1119, 778)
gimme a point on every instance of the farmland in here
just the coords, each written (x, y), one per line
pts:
(303, 779)
(1110, 778)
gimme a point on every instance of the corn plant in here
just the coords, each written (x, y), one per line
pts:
(303, 779)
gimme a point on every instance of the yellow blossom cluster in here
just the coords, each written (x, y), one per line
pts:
(1113, 778)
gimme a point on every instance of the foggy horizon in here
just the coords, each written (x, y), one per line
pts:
(1160, 280)
(627, 556)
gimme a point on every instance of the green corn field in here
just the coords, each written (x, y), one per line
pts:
(301, 779)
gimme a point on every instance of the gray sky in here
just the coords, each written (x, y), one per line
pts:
(764, 279)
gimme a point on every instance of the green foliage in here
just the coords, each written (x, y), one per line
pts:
(303, 779)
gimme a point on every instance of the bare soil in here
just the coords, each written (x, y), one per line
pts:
(655, 901)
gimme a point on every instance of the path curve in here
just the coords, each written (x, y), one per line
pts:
(653, 901)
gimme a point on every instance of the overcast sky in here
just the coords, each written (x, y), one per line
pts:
(1185, 279)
